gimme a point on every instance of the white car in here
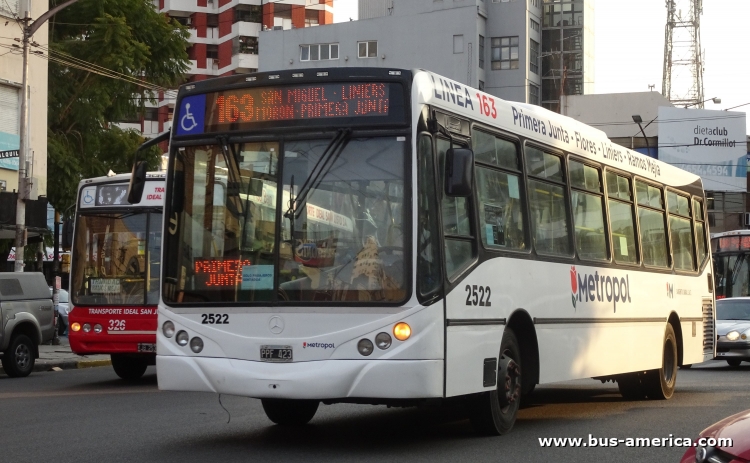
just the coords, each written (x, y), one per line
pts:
(733, 330)
(62, 313)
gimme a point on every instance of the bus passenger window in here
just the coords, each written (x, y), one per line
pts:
(652, 228)
(621, 219)
(547, 203)
(680, 231)
(700, 231)
(588, 211)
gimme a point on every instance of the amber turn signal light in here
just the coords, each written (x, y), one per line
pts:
(75, 326)
(402, 331)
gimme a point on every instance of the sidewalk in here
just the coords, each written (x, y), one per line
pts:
(62, 357)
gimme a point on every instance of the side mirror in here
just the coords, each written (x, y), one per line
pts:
(137, 182)
(67, 234)
(459, 172)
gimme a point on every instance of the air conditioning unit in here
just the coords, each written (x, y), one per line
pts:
(189, 21)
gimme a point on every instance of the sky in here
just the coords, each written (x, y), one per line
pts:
(629, 47)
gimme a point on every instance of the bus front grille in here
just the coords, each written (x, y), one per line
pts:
(708, 326)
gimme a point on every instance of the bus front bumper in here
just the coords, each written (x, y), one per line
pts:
(324, 379)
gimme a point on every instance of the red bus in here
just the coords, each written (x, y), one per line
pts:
(114, 272)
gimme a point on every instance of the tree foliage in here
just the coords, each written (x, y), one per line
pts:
(126, 36)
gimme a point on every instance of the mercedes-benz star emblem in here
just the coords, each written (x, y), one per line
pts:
(276, 325)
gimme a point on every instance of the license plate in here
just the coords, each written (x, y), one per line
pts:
(276, 353)
(146, 347)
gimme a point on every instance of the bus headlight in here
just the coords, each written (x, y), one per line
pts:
(732, 335)
(364, 346)
(86, 327)
(182, 338)
(168, 329)
(383, 340)
(196, 344)
(97, 328)
(75, 326)
(402, 331)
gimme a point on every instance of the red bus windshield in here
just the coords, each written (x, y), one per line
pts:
(116, 259)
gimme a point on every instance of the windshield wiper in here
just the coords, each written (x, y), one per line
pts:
(321, 167)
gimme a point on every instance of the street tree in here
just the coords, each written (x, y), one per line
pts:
(147, 49)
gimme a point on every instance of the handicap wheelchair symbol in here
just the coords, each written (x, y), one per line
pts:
(87, 198)
(188, 119)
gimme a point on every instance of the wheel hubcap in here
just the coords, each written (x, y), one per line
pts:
(509, 389)
(23, 356)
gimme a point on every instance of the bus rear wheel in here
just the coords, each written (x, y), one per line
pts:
(494, 412)
(660, 383)
(129, 368)
(288, 412)
(734, 362)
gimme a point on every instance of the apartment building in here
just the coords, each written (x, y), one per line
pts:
(224, 40)
(494, 45)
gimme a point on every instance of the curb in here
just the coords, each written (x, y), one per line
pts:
(68, 365)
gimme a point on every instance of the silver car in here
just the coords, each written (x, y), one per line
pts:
(62, 309)
(733, 330)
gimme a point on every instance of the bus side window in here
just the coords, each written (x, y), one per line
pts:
(501, 222)
(588, 211)
(700, 231)
(428, 236)
(459, 241)
(547, 201)
(621, 218)
(652, 229)
(680, 231)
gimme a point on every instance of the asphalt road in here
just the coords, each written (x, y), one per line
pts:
(90, 415)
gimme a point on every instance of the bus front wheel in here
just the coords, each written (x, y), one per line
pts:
(288, 412)
(129, 368)
(494, 412)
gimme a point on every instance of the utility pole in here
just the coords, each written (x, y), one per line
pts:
(28, 28)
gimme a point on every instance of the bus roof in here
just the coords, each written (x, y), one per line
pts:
(544, 126)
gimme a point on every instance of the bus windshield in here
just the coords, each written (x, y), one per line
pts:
(336, 234)
(732, 275)
(116, 259)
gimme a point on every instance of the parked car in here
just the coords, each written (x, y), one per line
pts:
(710, 446)
(733, 330)
(27, 311)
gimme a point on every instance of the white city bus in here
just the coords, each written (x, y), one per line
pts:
(391, 236)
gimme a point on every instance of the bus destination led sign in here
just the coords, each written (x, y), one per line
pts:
(296, 102)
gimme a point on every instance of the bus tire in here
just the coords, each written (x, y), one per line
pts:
(288, 412)
(129, 368)
(686, 366)
(631, 386)
(660, 383)
(734, 362)
(494, 413)
(18, 360)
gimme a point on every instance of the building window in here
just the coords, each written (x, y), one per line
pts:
(246, 45)
(533, 25)
(368, 49)
(534, 56)
(3, 185)
(248, 13)
(458, 44)
(319, 52)
(481, 52)
(505, 52)
(212, 51)
(481, 85)
(311, 18)
(533, 94)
